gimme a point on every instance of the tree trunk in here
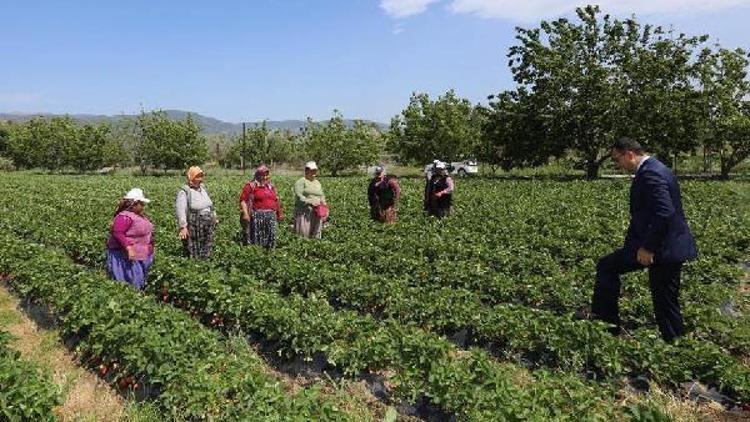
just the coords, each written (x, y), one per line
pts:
(726, 166)
(706, 161)
(592, 169)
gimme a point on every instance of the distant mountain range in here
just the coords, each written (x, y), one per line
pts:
(209, 124)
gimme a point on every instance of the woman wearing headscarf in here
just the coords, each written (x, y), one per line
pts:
(196, 217)
(130, 247)
(438, 192)
(261, 210)
(308, 200)
(383, 193)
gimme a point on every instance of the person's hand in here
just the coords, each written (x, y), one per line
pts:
(131, 253)
(315, 202)
(216, 221)
(280, 217)
(645, 257)
(246, 217)
(184, 233)
(438, 194)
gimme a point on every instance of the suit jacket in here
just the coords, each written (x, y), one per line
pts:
(657, 221)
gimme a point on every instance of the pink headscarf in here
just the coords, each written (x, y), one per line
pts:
(261, 171)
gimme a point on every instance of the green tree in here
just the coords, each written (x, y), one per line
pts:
(513, 133)
(447, 128)
(5, 132)
(602, 78)
(258, 144)
(725, 109)
(168, 144)
(663, 109)
(31, 145)
(85, 150)
(336, 147)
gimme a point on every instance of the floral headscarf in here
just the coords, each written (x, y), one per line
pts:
(192, 173)
(261, 171)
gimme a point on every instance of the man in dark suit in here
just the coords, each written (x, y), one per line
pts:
(658, 238)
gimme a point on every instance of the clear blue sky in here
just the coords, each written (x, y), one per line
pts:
(281, 59)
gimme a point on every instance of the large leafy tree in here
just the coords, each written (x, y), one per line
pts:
(663, 108)
(169, 144)
(5, 132)
(263, 146)
(448, 128)
(601, 78)
(40, 142)
(85, 151)
(337, 147)
(725, 108)
(513, 132)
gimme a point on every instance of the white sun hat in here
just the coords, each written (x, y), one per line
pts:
(310, 165)
(136, 194)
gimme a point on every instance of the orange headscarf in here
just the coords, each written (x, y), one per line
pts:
(192, 172)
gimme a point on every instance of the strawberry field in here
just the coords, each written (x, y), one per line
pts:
(470, 317)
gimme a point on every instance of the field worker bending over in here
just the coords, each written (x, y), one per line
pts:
(260, 210)
(310, 209)
(658, 238)
(196, 217)
(438, 192)
(383, 193)
(130, 247)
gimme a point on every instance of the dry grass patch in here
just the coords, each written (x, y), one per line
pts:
(85, 396)
(678, 408)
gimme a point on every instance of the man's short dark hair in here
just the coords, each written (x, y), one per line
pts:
(628, 144)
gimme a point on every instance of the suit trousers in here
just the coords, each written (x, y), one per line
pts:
(663, 279)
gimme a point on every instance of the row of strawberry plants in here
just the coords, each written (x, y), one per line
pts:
(550, 341)
(420, 363)
(571, 346)
(354, 288)
(189, 370)
(490, 273)
(447, 310)
(241, 258)
(27, 392)
(424, 364)
(521, 331)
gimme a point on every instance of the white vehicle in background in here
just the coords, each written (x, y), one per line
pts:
(460, 168)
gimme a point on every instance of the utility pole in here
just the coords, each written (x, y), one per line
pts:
(242, 156)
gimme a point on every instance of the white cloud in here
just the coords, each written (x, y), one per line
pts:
(403, 8)
(533, 10)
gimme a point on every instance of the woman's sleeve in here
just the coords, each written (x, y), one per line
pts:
(299, 189)
(120, 226)
(449, 181)
(396, 188)
(247, 196)
(180, 208)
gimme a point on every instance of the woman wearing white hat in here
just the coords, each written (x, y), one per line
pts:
(130, 247)
(310, 208)
(438, 192)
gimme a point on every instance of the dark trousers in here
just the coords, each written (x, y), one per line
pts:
(663, 279)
